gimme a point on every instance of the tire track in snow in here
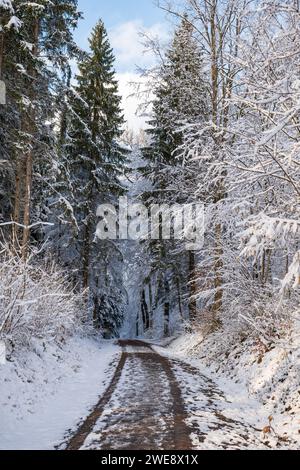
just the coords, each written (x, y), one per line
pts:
(136, 411)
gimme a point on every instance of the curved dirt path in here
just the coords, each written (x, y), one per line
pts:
(142, 409)
(158, 403)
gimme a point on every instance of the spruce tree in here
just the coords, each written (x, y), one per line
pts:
(180, 101)
(37, 48)
(9, 44)
(96, 162)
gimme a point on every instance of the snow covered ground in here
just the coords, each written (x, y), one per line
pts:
(256, 387)
(46, 392)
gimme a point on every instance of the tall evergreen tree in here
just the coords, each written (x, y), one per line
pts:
(95, 162)
(181, 100)
(34, 59)
(9, 40)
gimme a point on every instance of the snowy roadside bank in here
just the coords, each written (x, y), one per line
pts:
(256, 386)
(46, 392)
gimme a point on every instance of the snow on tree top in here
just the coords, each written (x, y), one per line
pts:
(34, 5)
(7, 5)
(15, 23)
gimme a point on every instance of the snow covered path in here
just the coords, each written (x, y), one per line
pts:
(160, 403)
(46, 392)
(142, 409)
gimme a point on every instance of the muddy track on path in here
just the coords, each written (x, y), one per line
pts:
(136, 412)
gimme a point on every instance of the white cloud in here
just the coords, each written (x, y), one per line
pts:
(130, 100)
(127, 41)
(128, 44)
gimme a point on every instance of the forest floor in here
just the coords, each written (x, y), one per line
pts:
(156, 402)
(47, 389)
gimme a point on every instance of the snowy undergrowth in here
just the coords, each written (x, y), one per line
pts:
(37, 301)
(47, 390)
(246, 372)
(56, 368)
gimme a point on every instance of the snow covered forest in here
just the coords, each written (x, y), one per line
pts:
(223, 110)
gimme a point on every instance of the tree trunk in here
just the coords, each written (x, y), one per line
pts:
(1, 54)
(179, 300)
(218, 278)
(137, 326)
(29, 154)
(150, 305)
(193, 287)
(145, 312)
(167, 310)
(214, 62)
(27, 204)
(218, 263)
(86, 257)
(17, 205)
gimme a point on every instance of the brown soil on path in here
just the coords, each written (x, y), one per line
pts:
(142, 409)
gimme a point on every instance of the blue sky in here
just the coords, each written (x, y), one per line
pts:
(124, 20)
(119, 11)
(121, 17)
